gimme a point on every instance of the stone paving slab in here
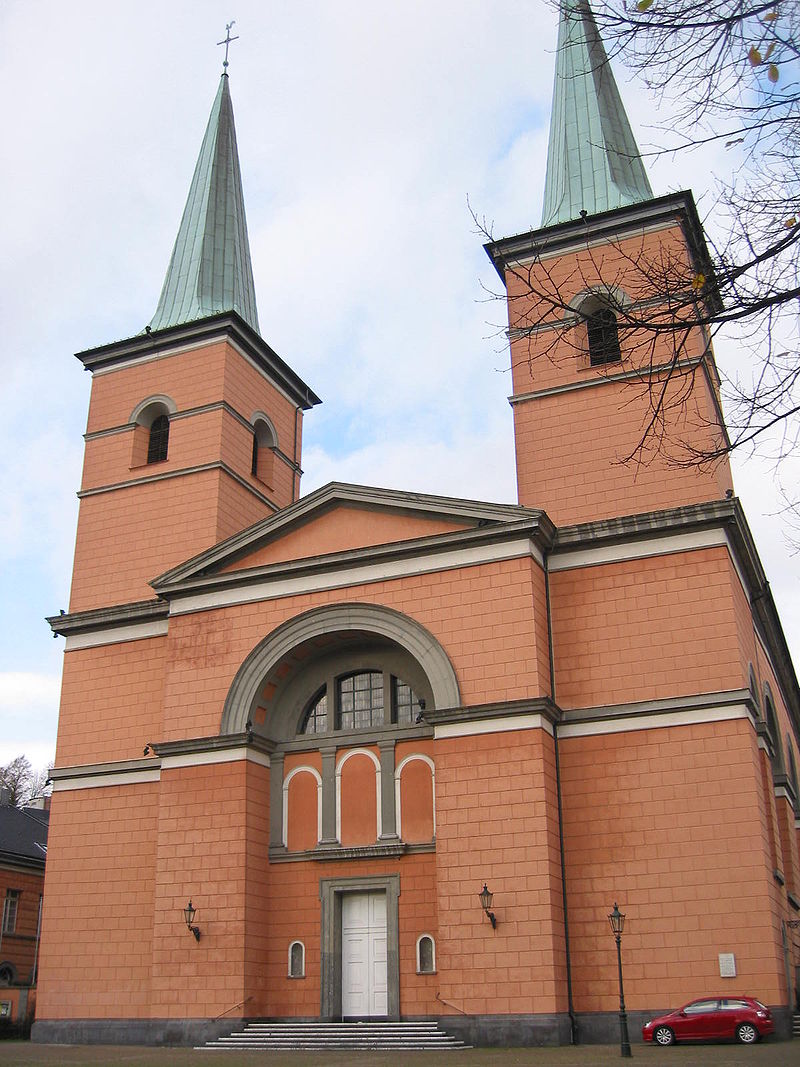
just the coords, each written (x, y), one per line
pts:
(765, 1054)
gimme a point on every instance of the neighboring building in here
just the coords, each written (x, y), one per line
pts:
(327, 721)
(23, 849)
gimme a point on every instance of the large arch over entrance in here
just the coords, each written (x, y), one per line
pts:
(383, 622)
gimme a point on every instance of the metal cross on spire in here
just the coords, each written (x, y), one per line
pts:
(227, 43)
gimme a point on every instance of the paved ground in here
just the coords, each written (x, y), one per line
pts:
(765, 1054)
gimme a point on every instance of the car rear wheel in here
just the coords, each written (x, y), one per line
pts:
(746, 1033)
(662, 1035)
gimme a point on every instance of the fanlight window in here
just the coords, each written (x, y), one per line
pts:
(360, 701)
(361, 704)
(316, 720)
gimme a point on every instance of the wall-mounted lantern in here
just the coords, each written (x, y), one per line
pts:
(189, 913)
(486, 898)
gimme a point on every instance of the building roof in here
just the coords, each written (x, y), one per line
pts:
(210, 269)
(23, 835)
(593, 162)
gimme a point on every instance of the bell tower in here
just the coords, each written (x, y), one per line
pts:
(615, 390)
(195, 425)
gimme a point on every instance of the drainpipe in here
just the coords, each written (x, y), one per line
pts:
(573, 1026)
(294, 457)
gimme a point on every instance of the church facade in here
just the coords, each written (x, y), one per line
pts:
(312, 729)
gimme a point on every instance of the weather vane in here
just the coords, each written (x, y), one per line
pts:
(227, 43)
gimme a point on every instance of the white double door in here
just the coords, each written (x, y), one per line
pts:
(364, 975)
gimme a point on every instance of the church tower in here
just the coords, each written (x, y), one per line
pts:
(194, 428)
(615, 390)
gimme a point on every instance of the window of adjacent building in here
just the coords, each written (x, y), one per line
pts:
(158, 441)
(297, 960)
(602, 336)
(361, 703)
(426, 955)
(10, 907)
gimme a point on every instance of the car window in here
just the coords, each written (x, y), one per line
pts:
(700, 1006)
(733, 1005)
(760, 1006)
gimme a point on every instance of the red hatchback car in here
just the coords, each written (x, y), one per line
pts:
(744, 1018)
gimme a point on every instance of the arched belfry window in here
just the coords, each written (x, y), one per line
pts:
(265, 441)
(792, 771)
(774, 732)
(754, 690)
(158, 441)
(602, 335)
(151, 423)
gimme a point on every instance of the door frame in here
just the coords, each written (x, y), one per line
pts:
(331, 891)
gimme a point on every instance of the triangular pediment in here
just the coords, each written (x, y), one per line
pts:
(341, 520)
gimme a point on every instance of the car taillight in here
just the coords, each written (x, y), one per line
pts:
(762, 1014)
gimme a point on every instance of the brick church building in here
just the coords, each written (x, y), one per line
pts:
(327, 721)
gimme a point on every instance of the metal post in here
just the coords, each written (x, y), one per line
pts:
(624, 1042)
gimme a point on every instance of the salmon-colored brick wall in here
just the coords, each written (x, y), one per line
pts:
(572, 455)
(343, 529)
(497, 822)
(570, 445)
(111, 702)
(482, 616)
(96, 949)
(126, 537)
(294, 901)
(129, 536)
(202, 854)
(669, 823)
(544, 359)
(258, 915)
(18, 947)
(645, 629)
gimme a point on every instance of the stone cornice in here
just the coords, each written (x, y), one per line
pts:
(225, 326)
(478, 513)
(415, 547)
(541, 705)
(606, 227)
(77, 622)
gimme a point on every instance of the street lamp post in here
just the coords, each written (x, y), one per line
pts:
(617, 920)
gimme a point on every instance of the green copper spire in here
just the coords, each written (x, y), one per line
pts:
(210, 269)
(593, 163)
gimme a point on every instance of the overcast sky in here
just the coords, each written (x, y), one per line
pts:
(363, 129)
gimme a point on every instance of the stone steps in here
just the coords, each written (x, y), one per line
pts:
(796, 1025)
(348, 1036)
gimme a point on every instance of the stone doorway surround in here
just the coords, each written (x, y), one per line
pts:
(331, 891)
